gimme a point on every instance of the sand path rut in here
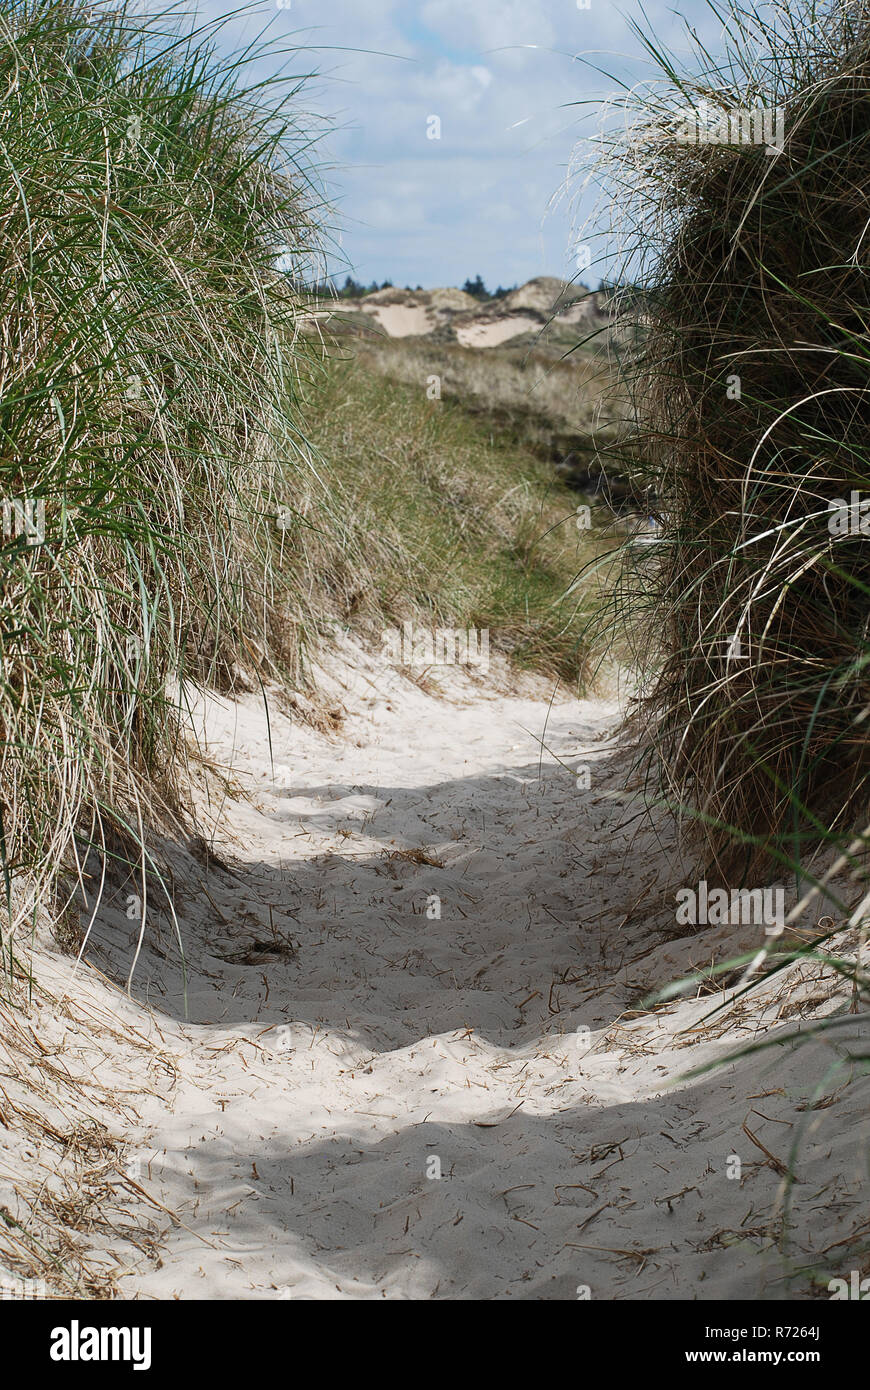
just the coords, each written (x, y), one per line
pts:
(411, 1065)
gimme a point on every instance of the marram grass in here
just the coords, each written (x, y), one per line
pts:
(752, 613)
(148, 351)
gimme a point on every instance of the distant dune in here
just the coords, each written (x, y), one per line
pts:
(454, 316)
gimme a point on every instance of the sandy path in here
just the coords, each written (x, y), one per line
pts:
(461, 1106)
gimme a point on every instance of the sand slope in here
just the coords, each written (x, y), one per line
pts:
(344, 1045)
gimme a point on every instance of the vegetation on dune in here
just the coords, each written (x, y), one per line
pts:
(750, 616)
(436, 519)
(564, 408)
(148, 347)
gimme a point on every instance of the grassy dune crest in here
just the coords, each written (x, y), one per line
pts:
(752, 395)
(437, 519)
(148, 351)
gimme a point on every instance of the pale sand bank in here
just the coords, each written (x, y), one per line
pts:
(291, 1124)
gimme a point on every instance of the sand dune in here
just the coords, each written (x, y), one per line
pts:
(402, 320)
(490, 332)
(453, 313)
(413, 1065)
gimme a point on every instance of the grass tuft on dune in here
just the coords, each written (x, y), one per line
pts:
(750, 615)
(148, 353)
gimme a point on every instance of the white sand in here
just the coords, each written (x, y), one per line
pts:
(490, 332)
(291, 1125)
(401, 320)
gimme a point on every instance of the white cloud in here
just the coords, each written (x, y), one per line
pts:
(490, 24)
(501, 75)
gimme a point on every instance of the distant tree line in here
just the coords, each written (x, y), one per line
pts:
(477, 289)
(327, 288)
(351, 289)
(355, 289)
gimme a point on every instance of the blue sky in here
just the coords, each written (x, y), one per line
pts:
(492, 194)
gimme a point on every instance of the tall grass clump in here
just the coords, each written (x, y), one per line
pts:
(753, 425)
(149, 345)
